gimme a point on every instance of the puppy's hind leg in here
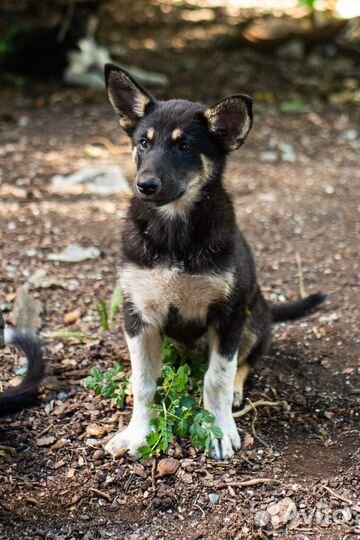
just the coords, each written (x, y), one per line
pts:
(145, 355)
(247, 343)
(251, 349)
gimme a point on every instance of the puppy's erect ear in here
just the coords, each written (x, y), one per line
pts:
(230, 120)
(130, 101)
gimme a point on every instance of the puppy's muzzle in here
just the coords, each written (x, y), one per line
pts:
(148, 186)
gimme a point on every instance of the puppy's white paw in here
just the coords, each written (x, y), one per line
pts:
(130, 439)
(224, 449)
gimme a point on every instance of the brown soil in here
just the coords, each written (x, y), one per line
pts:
(309, 207)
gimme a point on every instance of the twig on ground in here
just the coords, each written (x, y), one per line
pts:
(341, 498)
(246, 483)
(100, 494)
(256, 404)
(153, 468)
(253, 422)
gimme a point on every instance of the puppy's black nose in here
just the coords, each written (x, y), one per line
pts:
(148, 186)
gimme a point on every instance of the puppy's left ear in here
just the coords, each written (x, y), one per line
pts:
(129, 100)
(230, 120)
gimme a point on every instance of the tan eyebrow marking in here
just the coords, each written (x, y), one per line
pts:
(150, 133)
(176, 134)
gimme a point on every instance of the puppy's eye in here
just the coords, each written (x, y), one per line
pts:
(144, 143)
(184, 146)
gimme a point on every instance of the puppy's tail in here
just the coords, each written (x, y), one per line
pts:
(23, 395)
(290, 311)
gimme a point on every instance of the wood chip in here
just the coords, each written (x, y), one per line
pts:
(72, 317)
(45, 441)
(70, 473)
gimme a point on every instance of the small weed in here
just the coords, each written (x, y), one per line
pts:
(177, 414)
(107, 315)
(110, 384)
(63, 335)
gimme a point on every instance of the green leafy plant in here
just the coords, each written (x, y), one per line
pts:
(107, 315)
(111, 384)
(177, 414)
(311, 4)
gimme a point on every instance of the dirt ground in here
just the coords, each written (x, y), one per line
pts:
(296, 190)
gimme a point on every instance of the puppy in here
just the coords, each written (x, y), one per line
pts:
(25, 394)
(186, 271)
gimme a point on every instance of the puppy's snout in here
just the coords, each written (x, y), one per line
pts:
(148, 186)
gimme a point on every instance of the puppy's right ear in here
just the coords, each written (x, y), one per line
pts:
(130, 101)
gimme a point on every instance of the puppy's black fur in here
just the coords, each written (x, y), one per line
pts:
(182, 219)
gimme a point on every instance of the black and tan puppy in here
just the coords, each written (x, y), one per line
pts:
(186, 270)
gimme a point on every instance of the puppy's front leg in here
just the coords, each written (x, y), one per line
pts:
(218, 396)
(145, 355)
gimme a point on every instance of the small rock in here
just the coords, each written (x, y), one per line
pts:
(287, 152)
(98, 455)
(94, 430)
(103, 180)
(261, 518)
(167, 467)
(273, 509)
(268, 156)
(292, 50)
(214, 498)
(74, 254)
(282, 512)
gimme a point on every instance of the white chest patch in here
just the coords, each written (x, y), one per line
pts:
(153, 291)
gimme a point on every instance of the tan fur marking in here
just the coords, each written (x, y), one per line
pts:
(176, 134)
(140, 103)
(208, 166)
(153, 291)
(125, 123)
(247, 343)
(183, 205)
(150, 133)
(134, 154)
(240, 378)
